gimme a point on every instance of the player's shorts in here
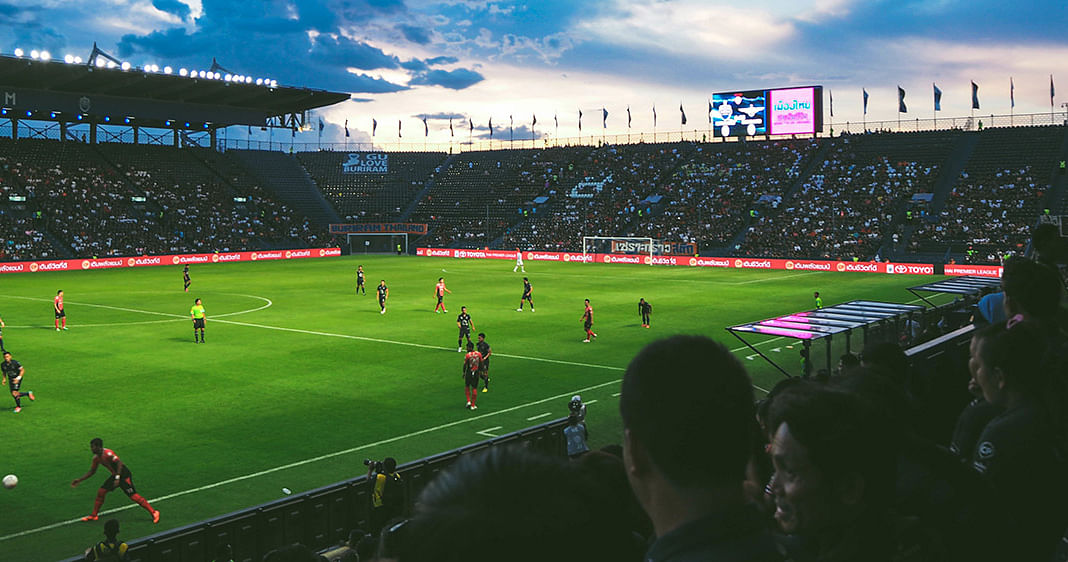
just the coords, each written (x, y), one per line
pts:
(483, 368)
(588, 324)
(525, 297)
(61, 314)
(125, 482)
(14, 386)
(198, 323)
(465, 332)
(441, 298)
(471, 378)
(381, 301)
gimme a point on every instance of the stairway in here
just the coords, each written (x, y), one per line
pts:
(282, 175)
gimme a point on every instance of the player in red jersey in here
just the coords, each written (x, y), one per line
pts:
(57, 304)
(439, 292)
(471, 362)
(587, 322)
(120, 476)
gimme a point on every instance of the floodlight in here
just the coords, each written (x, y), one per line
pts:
(29, 113)
(126, 120)
(101, 62)
(46, 56)
(259, 81)
(107, 119)
(228, 77)
(187, 124)
(205, 125)
(182, 72)
(218, 76)
(167, 70)
(79, 117)
(52, 115)
(126, 66)
(77, 60)
(18, 52)
(35, 54)
(111, 64)
(69, 59)
(201, 74)
(168, 123)
(248, 79)
(3, 111)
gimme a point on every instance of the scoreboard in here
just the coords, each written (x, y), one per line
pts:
(780, 111)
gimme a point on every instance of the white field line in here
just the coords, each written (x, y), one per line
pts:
(539, 416)
(486, 432)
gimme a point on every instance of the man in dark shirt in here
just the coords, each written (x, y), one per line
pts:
(185, 277)
(359, 280)
(692, 489)
(463, 322)
(485, 351)
(383, 294)
(527, 291)
(646, 310)
(12, 372)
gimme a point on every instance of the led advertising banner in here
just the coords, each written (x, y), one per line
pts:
(782, 111)
(740, 113)
(793, 111)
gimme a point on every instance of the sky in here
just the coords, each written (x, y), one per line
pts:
(402, 60)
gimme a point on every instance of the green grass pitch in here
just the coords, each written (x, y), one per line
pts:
(301, 379)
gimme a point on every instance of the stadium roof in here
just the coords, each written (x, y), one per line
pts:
(55, 90)
(965, 286)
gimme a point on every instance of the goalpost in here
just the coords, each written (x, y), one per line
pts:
(377, 242)
(632, 245)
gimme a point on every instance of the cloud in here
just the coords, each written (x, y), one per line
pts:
(362, 83)
(415, 34)
(434, 61)
(443, 116)
(341, 51)
(453, 79)
(174, 7)
(361, 100)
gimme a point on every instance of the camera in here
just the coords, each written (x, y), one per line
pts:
(376, 464)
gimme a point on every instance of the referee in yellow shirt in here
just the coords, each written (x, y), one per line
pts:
(198, 316)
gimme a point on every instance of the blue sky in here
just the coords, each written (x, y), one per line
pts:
(479, 59)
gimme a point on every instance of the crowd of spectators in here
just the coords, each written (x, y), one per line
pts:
(985, 215)
(132, 207)
(841, 211)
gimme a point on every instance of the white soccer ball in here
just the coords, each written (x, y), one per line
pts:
(10, 481)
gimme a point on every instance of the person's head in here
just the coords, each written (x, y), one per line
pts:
(1031, 288)
(359, 267)
(1045, 238)
(525, 279)
(111, 528)
(197, 302)
(440, 279)
(816, 294)
(525, 506)
(642, 299)
(587, 302)
(572, 419)
(833, 462)
(7, 356)
(481, 337)
(847, 362)
(470, 346)
(463, 309)
(1006, 363)
(382, 282)
(659, 423)
(389, 464)
(59, 292)
(96, 445)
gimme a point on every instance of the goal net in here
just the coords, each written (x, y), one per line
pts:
(377, 243)
(622, 245)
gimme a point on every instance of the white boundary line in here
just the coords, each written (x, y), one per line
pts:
(173, 317)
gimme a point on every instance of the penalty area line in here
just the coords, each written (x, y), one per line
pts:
(316, 459)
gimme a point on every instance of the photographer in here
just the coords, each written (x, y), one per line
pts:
(387, 492)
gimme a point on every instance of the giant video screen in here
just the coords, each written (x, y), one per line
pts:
(740, 113)
(782, 111)
(793, 111)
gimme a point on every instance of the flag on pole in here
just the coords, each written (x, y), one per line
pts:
(1012, 93)
(937, 97)
(346, 128)
(470, 125)
(533, 120)
(374, 126)
(399, 129)
(628, 116)
(710, 109)
(975, 95)
(426, 128)
(865, 100)
(901, 107)
(491, 127)
(580, 120)
(451, 132)
(321, 126)
(556, 121)
(829, 93)
(604, 118)
(654, 116)
(683, 113)
(1051, 90)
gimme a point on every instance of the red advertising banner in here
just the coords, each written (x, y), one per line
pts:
(179, 259)
(976, 270)
(694, 261)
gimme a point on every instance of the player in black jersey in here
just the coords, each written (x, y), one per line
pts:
(485, 351)
(185, 277)
(11, 372)
(463, 321)
(359, 280)
(383, 294)
(646, 310)
(527, 290)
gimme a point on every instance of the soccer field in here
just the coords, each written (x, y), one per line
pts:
(301, 379)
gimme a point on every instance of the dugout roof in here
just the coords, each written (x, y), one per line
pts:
(812, 325)
(57, 91)
(965, 286)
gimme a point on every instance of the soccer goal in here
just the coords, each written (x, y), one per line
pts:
(377, 243)
(627, 245)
